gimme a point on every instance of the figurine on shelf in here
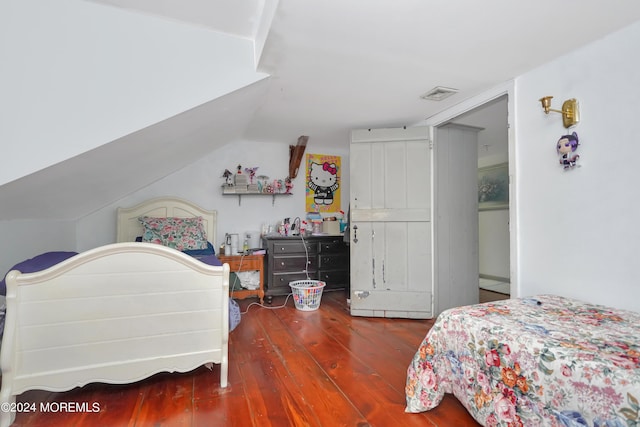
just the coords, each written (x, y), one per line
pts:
(252, 187)
(228, 177)
(277, 186)
(288, 185)
(269, 189)
(252, 173)
(240, 180)
(263, 182)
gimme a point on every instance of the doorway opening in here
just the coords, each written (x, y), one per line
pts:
(494, 281)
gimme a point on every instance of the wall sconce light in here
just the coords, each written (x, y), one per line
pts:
(570, 112)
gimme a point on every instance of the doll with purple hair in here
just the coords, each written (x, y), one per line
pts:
(566, 146)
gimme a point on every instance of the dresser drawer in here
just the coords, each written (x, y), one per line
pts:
(334, 278)
(281, 281)
(293, 248)
(293, 263)
(333, 261)
(333, 246)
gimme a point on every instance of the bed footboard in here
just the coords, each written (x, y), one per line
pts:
(115, 314)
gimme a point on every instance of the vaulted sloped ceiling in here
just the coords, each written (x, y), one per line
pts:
(323, 68)
(119, 111)
(91, 180)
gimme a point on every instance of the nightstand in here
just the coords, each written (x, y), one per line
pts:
(246, 263)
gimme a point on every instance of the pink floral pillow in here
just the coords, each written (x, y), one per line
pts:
(178, 233)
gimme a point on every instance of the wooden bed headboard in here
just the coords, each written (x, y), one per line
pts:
(128, 226)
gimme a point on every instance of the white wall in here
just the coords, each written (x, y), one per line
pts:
(201, 183)
(493, 243)
(22, 240)
(493, 225)
(578, 231)
(79, 74)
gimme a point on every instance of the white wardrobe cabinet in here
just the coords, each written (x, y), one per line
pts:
(409, 258)
(390, 199)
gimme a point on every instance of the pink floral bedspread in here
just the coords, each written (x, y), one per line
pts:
(541, 361)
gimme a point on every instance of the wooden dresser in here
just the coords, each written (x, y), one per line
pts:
(326, 258)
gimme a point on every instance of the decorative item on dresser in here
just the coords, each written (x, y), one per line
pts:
(294, 258)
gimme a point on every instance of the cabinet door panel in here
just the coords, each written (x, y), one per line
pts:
(361, 255)
(390, 232)
(402, 254)
(395, 174)
(393, 263)
(361, 175)
(419, 255)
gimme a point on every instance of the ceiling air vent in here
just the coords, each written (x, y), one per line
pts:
(439, 93)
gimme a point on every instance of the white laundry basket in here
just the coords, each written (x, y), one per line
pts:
(307, 294)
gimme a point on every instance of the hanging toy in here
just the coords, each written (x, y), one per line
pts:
(566, 146)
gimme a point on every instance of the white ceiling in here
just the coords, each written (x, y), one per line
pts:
(236, 17)
(335, 65)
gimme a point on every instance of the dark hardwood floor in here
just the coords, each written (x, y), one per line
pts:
(287, 368)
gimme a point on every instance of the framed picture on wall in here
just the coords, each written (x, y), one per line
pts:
(323, 183)
(493, 187)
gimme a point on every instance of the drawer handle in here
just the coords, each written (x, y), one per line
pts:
(282, 263)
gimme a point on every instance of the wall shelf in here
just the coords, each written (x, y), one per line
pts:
(272, 195)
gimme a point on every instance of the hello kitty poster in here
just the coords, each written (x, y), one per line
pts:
(323, 183)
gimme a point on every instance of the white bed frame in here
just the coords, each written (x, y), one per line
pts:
(128, 227)
(115, 314)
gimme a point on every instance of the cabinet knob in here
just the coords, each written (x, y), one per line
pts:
(282, 263)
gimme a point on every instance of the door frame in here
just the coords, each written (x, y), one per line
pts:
(449, 114)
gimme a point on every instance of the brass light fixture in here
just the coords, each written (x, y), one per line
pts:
(570, 112)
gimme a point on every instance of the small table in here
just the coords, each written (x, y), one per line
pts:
(246, 263)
